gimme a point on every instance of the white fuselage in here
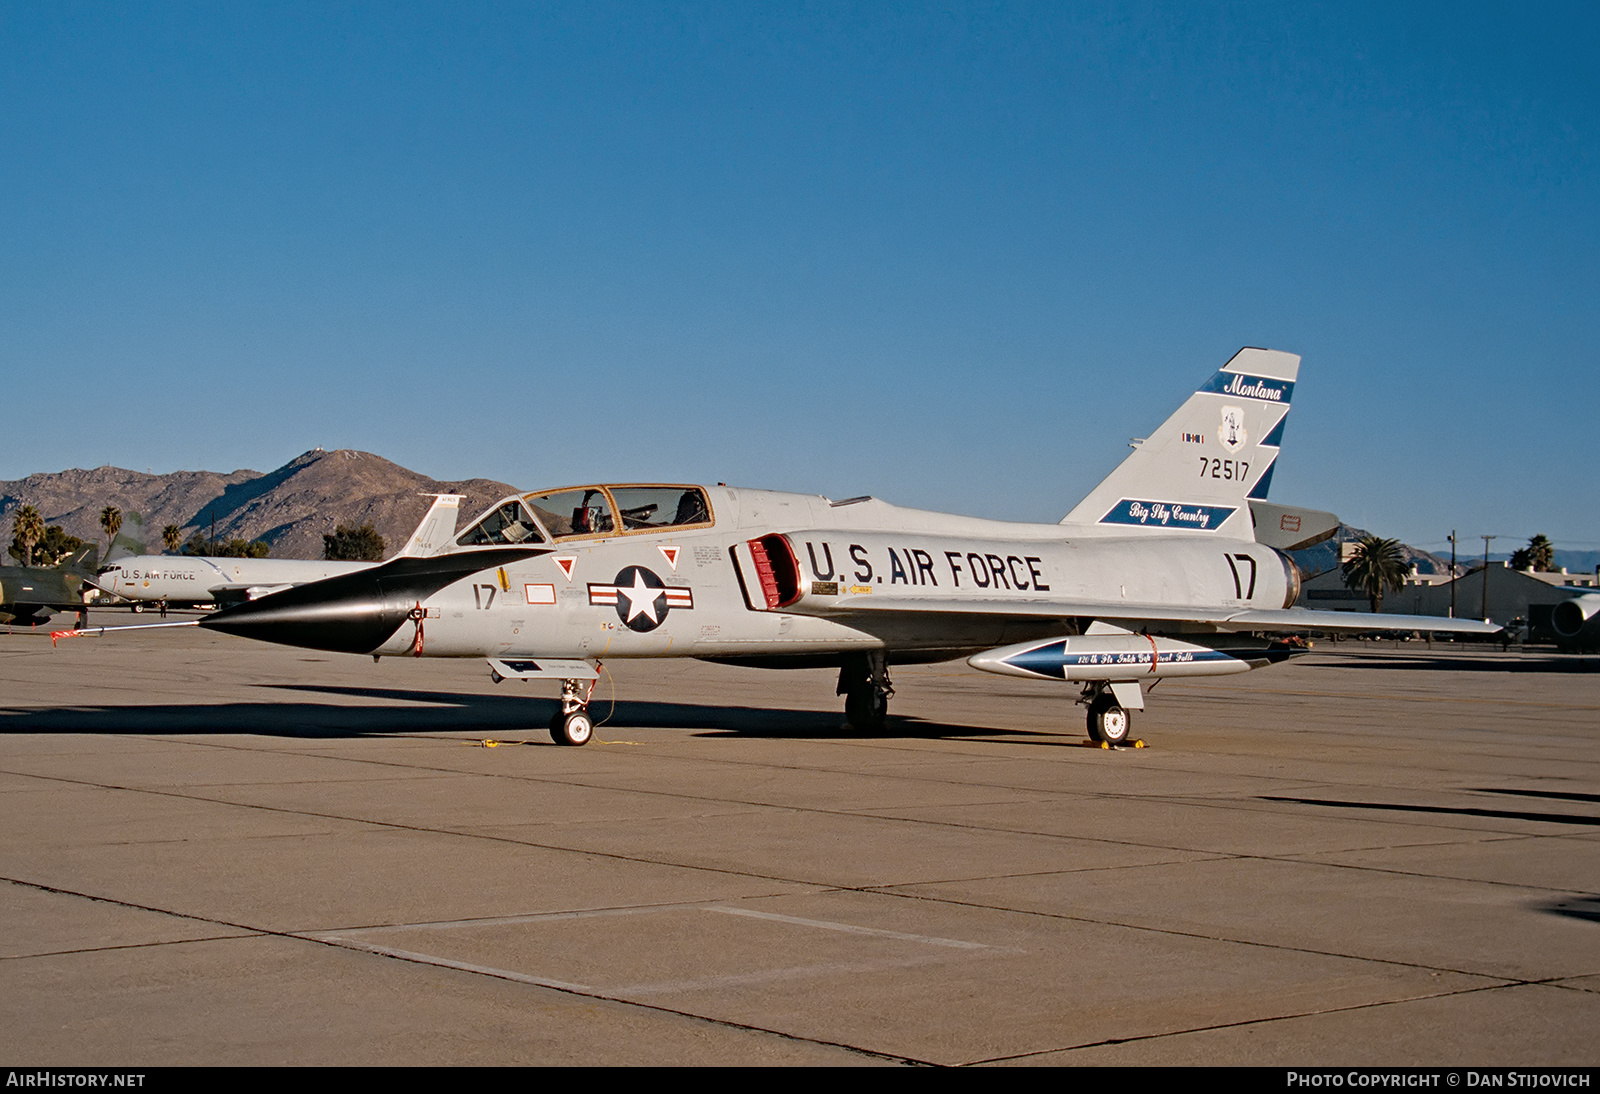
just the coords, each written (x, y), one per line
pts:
(192, 579)
(587, 597)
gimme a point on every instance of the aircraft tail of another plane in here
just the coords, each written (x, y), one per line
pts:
(85, 560)
(1207, 463)
(438, 527)
(130, 540)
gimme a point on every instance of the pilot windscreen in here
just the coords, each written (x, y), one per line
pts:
(508, 525)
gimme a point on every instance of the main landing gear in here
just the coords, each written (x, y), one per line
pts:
(1109, 721)
(572, 724)
(864, 683)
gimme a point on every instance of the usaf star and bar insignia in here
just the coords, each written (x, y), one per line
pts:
(641, 598)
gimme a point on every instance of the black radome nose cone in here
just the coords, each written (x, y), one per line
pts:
(359, 612)
(356, 621)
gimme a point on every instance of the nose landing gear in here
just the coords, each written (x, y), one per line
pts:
(572, 724)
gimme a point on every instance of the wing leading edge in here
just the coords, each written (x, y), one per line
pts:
(1280, 620)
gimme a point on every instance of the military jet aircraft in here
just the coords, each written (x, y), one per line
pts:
(1173, 566)
(31, 594)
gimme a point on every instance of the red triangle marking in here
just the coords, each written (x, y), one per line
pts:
(567, 564)
(671, 553)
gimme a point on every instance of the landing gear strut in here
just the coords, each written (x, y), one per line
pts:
(1109, 723)
(864, 683)
(572, 724)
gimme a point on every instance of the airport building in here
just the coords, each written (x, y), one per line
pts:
(1512, 594)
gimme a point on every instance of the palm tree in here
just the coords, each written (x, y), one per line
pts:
(30, 530)
(111, 524)
(1539, 554)
(172, 537)
(1375, 567)
(1543, 553)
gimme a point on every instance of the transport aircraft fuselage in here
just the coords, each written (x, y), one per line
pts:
(206, 580)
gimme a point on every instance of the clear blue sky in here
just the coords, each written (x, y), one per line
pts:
(952, 255)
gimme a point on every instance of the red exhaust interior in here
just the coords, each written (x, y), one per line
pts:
(776, 570)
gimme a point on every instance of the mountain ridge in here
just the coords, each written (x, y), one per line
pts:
(293, 506)
(290, 508)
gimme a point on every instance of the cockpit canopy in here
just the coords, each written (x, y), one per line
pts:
(588, 511)
(506, 525)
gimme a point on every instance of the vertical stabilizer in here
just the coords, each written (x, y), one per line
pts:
(85, 560)
(129, 539)
(1200, 470)
(438, 527)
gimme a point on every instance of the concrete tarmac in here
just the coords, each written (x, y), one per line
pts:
(220, 852)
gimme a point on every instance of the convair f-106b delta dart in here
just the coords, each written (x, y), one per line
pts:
(1173, 566)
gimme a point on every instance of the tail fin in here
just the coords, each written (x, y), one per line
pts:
(129, 539)
(438, 526)
(85, 560)
(1199, 471)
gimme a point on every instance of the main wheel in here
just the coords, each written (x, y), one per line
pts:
(866, 708)
(572, 729)
(1108, 722)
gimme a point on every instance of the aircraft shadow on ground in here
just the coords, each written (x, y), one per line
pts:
(1450, 662)
(399, 711)
(1447, 810)
(712, 721)
(1578, 907)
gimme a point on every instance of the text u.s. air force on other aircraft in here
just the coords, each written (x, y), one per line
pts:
(1174, 565)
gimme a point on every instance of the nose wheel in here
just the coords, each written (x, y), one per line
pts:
(572, 724)
(572, 729)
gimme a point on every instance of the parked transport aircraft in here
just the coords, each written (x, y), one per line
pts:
(203, 580)
(206, 581)
(1577, 622)
(1173, 566)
